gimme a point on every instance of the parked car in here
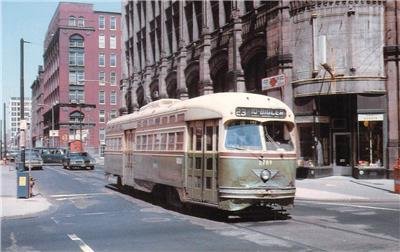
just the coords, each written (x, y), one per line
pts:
(52, 155)
(12, 154)
(32, 159)
(79, 160)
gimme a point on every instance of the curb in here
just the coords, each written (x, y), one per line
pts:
(350, 200)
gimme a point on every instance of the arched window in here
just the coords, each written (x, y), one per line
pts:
(71, 21)
(76, 40)
(76, 117)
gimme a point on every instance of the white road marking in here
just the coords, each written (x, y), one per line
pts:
(350, 205)
(54, 219)
(84, 247)
(76, 195)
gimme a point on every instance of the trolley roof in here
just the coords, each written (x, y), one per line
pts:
(212, 106)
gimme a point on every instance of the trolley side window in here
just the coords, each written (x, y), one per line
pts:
(277, 136)
(243, 135)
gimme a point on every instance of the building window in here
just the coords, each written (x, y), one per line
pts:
(76, 77)
(113, 23)
(76, 58)
(71, 21)
(101, 59)
(102, 116)
(370, 140)
(102, 41)
(102, 135)
(102, 147)
(113, 98)
(113, 42)
(102, 78)
(81, 22)
(113, 114)
(113, 78)
(76, 41)
(101, 97)
(113, 60)
(101, 22)
(76, 95)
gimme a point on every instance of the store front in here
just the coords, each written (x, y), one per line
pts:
(370, 142)
(342, 135)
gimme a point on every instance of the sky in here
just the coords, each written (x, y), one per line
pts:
(28, 19)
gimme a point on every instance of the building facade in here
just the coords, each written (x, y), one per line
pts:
(339, 61)
(77, 91)
(14, 116)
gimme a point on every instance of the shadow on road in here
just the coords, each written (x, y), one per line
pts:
(255, 214)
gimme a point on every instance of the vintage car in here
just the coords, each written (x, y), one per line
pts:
(78, 160)
(52, 155)
(32, 160)
(11, 155)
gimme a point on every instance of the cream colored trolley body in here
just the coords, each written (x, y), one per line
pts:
(225, 150)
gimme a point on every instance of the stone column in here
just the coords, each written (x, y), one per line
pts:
(235, 66)
(123, 87)
(134, 84)
(181, 59)
(162, 85)
(206, 85)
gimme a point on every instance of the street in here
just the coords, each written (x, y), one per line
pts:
(87, 215)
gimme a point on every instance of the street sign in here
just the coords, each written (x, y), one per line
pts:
(23, 124)
(53, 133)
(64, 137)
(273, 82)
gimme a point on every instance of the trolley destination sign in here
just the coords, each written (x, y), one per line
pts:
(260, 112)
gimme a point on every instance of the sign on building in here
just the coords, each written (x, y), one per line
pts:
(53, 133)
(273, 82)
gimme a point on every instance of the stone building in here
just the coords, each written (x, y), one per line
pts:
(339, 60)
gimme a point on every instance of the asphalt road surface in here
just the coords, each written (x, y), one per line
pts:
(86, 215)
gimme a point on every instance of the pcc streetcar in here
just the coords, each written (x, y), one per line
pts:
(225, 150)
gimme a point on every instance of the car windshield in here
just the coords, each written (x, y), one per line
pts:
(250, 135)
(277, 136)
(243, 135)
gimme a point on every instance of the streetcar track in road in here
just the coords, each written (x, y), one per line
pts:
(300, 244)
(327, 226)
(346, 205)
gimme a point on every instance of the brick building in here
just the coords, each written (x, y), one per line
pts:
(79, 83)
(340, 60)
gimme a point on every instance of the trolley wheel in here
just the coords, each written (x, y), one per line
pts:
(172, 198)
(119, 182)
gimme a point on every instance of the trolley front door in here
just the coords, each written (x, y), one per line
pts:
(202, 168)
(128, 158)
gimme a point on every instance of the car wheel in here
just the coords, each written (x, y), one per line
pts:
(91, 167)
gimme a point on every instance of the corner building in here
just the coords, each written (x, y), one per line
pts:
(79, 82)
(340, 60)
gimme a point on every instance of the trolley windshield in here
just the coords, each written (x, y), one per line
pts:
(252, 135)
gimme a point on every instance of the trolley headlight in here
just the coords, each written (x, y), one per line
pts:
(265, 175)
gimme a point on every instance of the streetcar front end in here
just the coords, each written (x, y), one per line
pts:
(257, 166)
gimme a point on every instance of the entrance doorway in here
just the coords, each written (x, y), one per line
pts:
(342, 153)
(202, 167)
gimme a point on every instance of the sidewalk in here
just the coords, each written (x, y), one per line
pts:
(10, 205)
(342, 188)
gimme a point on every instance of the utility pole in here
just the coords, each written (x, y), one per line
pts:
(21, 106)
(52, 122)
(1, 142)
(4, 129)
